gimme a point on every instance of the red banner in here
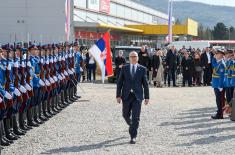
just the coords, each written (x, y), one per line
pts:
(105, 6)
(94, 35)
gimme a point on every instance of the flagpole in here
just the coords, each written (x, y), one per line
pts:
(170, 21)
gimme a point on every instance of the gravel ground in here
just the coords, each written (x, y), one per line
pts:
(177, 121)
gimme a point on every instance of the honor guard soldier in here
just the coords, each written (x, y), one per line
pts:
(228, 83)
(8, 92)
(218, 65)
(78, 60)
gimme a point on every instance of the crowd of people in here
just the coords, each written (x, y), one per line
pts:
(194, 67)
(36, 82)
(179, 67)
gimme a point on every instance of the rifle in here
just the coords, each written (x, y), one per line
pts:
(54, 65)
(22, 81)
(28, 76)
(16, 81)
(51, 70)
(2, 104)
(47, 72)
(44, 88)
(9, 102)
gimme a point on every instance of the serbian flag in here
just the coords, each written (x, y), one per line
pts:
(101, 52)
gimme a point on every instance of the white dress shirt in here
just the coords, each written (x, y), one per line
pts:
(208, 57)
(131, 68)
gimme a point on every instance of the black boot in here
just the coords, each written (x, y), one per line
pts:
(16, 129)
(44, 110)
(8, 133)
(30, 118)
(22, 122)
(4, 141)
(35, 115)
(40, 115)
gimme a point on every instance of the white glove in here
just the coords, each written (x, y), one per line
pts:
(51, 60)
(73, 70)
(60, 77)
(42, 61)
(24, 56)
(8, 96)
(23, 64)
(81, 70)
(9, 67)
(220, 89)
(17, 92)
(66, 73)
(60, 58)
(55, 78)
(48, 83)
(28, 64)
(41, 83)
(22, 89)
(47, 62)
(70, 55)
(55, 60)
(63, 58)
(28, 87)
(70, 72)
(51, 80)
(63, 76)
(16, 65)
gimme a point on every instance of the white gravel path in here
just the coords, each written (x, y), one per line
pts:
(176, 122)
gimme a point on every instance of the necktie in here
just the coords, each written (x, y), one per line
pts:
(133, 71)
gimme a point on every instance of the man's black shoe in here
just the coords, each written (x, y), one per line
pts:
(217, 117)
(133, 141)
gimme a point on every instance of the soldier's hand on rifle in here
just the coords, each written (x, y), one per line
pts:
(17, 92)
(41, 83)
(8, 96)
(22, 89)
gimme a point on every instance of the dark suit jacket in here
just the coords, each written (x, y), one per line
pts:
(138, 84)
(204, 59)
(172, 60)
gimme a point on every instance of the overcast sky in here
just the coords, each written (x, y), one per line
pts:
(214, 2)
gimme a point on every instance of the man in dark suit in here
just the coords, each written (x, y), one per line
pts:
(188, 67)
(132, 88)
(172, 62)
(206, 59)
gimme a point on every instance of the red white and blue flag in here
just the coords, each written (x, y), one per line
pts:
(67, 19)
(101, 52)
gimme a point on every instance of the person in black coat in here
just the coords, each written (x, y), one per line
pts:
(206, 59)
(188, 68)
(119, 62)
(144, 59)
(172, 62)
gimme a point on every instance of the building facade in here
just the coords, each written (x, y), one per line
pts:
(44, 21)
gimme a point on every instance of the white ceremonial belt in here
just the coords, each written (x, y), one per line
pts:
(132, 90)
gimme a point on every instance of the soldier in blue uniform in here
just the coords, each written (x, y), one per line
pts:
(9, 94)
(228, 84)
(218, 65)
(78, 61)
(24, 88)
(5, 95)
